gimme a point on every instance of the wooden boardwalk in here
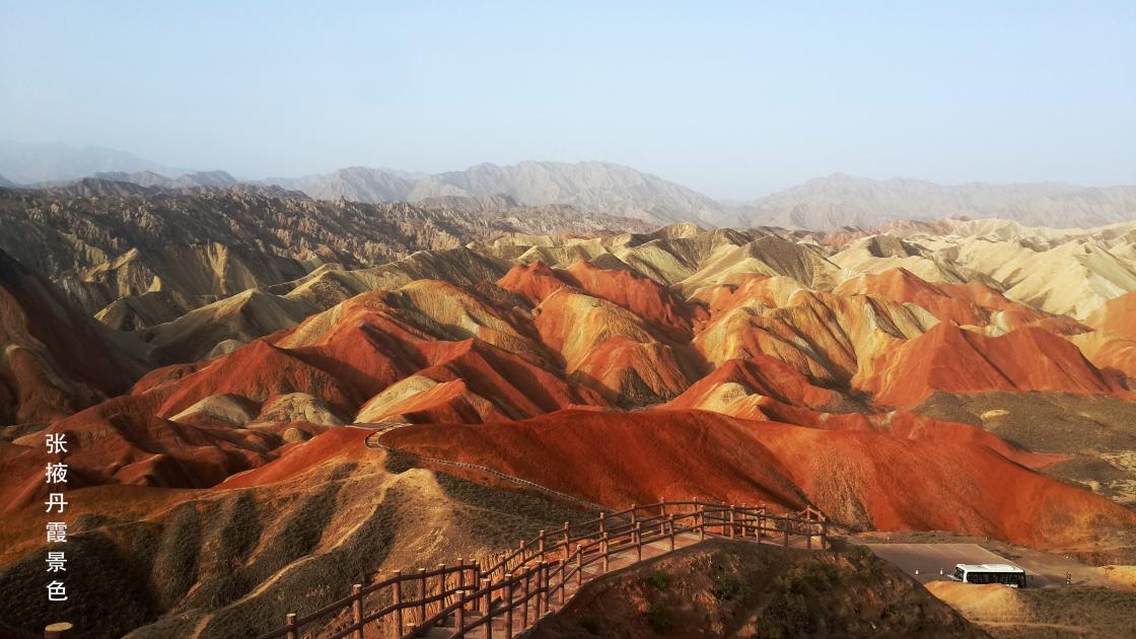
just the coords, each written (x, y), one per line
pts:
(540, 575)
(515, 588)
(524, 619)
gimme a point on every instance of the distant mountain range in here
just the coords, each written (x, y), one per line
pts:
(598, 186)
(826, 203)
(844, 200)
(28, 163)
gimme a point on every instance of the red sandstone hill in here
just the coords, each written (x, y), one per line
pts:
(966, 304)
(122, 440)
(55, 360)
(371, 358)
(542, 339)
(607, 347)
(352, 353)
(963, 305)
(860, 478)
(534, 281)
(640, 295)
(434, 352)
(767, 389)
(1112, 344)
(741, 387)
(763, 366)
(1116, 317)
(952, 359)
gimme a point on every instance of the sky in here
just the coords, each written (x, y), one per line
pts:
(731, 99)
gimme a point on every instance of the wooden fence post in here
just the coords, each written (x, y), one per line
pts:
(824, 533)
(460, 612)
(671, 525)
(786, 521)
(603, 547)
(486, 585)
(509, 597)
(701, 523)
(540, 544)
(398, 600)
(357, 609)
(634, 515)
(421, 595)
(638, 541)
(579, 565)
(563, 578)
(536, 570)
(733, 520)
(442, 585)
(527, 595)
(602, 527)
(567, 539)
(541, 590)
(760, 524)
(290, 625)
(548, 588)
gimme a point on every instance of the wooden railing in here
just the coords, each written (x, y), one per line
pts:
(522, 583)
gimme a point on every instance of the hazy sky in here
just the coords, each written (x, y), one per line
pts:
(733, 99)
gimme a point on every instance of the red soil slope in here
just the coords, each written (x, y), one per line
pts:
(533, 281)
(971, 303)
(53, 359)
(638, 294)
(927, 484)
(617, 458)
(515, 387)
(261, 370)
(122, 440)
(861, 478)
(366, 348)
(781, 394)
(758, 375)
(956, 360)
(1112, 344)
(644, 297)
(748, 288)
(612, 350)
(1117, 317)
(340, 444)
(450, 401)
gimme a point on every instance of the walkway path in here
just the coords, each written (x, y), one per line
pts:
(518, 587)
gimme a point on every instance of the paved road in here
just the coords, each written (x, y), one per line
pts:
(929, 559)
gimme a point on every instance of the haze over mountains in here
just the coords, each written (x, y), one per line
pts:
(32, 163)
(823, 203)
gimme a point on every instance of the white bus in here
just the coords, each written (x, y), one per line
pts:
(990, 574)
